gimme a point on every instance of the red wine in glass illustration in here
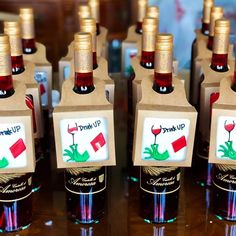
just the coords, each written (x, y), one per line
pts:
(73, 130)
(155, 132)
(229, 128)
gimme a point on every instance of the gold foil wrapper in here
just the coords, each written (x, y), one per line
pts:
(216, 13)
(148, 41)
(83, 61)
(153, 11)
(16, 45)
(163, 61)
(142, 9)
(84, 11)
(27, 23)
(95, 9)
(221, 44)
(5, 55)
(207, 5)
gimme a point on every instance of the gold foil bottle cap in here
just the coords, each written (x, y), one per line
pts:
(222, 26)
(153, 11)
(88, 25)
(164, 42)
(149, 24)
(142, 8)
(216, 13)
(26, 13)
(83, 41)
(12, 28)
(95, 9)
(84, 11)
(207, 5)
(4, 44)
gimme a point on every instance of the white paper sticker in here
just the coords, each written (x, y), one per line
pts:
(165, 139)
(84, 139)
(13, 147)
(226, 138)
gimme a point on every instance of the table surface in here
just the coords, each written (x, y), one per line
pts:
(122, 217)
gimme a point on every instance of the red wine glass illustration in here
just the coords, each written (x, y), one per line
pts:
(229, 127)
(72, 131)
(155, 132)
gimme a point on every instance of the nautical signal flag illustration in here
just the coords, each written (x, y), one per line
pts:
(179, 143)
(17, 148)
(42, 89)
(98, 142)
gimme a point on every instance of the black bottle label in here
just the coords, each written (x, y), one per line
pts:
(224, 177)
(88, 180)
(159, 180)
(15, 187)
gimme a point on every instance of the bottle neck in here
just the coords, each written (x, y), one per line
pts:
(95, 64)
(162, 83)
(83, 83)
(234, 82)
(147, 59)
(219, 62)
(138, 29)
(29, 46)
(210, 42)
(205, 28)
(98, 28)
(17, 64)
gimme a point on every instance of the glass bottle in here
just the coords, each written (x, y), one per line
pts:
(159, 186)
(27, 29)
(89, 25)
(142, 8)
(85, 186)
(207, 5)
(216, 13)
(15, 197)
(219, 64)
(150, 29)
(95, 13)
(12, 29)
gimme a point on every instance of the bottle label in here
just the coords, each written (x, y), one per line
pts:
(5, 64)
(83, 61)
(221, 44)
(16, 45)
(15, 187)
(224, 177)
(88, 180)
(163, 62)
(159, 180)
(149, 39)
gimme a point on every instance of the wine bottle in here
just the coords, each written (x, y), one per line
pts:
(207, 5)
(219, 64)
(89, 25)
(15, 197)
(150, 29)
(95, 13)
(27, 28)
(159, 186)
(142, 8)
(216, 13)
(12, 29)
(85, 186)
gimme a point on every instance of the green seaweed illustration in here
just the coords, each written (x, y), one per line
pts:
(228, 150)
(153, 152)
(75, 155)
(3, 163)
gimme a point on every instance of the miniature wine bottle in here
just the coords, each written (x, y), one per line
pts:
(159, 186)
(207, 5)
(142, 8)
(85, 186)
(216, 13)
(89, 25)
(95, 13)
(219, 64)
(150, 28)
(12, 29)
(16, 200)
(27, 29)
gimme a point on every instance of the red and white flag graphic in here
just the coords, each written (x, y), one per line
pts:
(42, 89)
(98, 142)
(17, 148)
(179, 143)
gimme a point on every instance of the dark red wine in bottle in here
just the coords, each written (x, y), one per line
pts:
(85, 186)
(85, 194)
(27, 29)
(219, 64)
(216, 13)
(159, 187)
